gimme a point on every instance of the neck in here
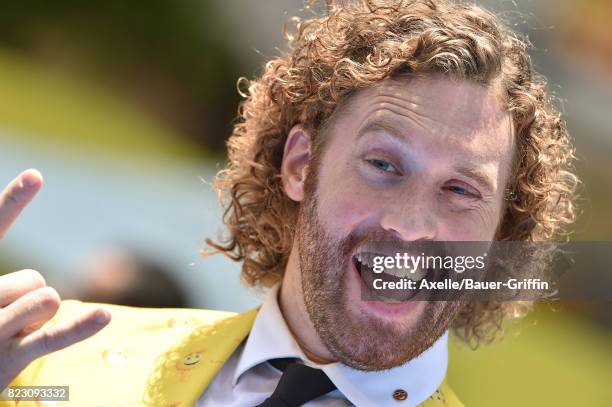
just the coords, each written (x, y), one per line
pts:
(293, 308)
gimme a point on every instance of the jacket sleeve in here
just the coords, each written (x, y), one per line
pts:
(120, 365)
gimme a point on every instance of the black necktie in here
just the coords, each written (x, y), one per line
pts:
(298, 385)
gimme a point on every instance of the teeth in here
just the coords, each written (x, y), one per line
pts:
(416, 276)
(367, 260)
(363, 260)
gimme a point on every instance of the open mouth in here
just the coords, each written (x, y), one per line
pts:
(377, 280)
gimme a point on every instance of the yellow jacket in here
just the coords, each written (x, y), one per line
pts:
(148, 357)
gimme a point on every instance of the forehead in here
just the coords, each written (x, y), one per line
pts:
(445, 113)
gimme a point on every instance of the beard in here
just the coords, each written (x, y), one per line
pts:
(356, 338)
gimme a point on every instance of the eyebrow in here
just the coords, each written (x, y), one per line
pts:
(377, 125)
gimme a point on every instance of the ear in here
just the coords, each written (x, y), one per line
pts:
(294, 167)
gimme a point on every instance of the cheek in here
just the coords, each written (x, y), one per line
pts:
(343, 202)
(476, 225)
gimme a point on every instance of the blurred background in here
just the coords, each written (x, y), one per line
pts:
(125, 107)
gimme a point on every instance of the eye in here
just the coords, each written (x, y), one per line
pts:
(463, 191)
(383, 165)
(458, 190)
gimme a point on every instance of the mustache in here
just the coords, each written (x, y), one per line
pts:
(372, 239)
(308, 218)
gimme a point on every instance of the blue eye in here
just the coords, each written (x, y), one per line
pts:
(383, 165)
(458, 190)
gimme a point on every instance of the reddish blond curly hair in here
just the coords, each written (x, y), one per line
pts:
(356, 45)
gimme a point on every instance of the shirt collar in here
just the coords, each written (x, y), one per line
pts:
(270, 338)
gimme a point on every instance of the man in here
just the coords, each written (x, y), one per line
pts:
(405, 121)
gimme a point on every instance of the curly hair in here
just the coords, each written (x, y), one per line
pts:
(357, 44)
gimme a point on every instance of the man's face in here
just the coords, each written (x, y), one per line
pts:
(407, 160)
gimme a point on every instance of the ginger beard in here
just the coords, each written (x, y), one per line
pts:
(356, 338)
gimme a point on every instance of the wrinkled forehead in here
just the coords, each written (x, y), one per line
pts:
(444, 111)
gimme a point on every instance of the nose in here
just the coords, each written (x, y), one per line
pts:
(410, 222)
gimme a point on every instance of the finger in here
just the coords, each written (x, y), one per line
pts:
(30, 311)
(53, 338)
(15, 285)
(16, 196)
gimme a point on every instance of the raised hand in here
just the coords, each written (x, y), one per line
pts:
(26, 302)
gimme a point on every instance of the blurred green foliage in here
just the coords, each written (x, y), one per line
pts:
(48, 108)
(171, 56)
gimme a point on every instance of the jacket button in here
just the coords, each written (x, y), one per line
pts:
(400, 395)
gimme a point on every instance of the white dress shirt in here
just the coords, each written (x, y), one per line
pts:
(247, 379)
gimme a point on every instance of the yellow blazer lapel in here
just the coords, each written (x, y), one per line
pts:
(184, 372)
